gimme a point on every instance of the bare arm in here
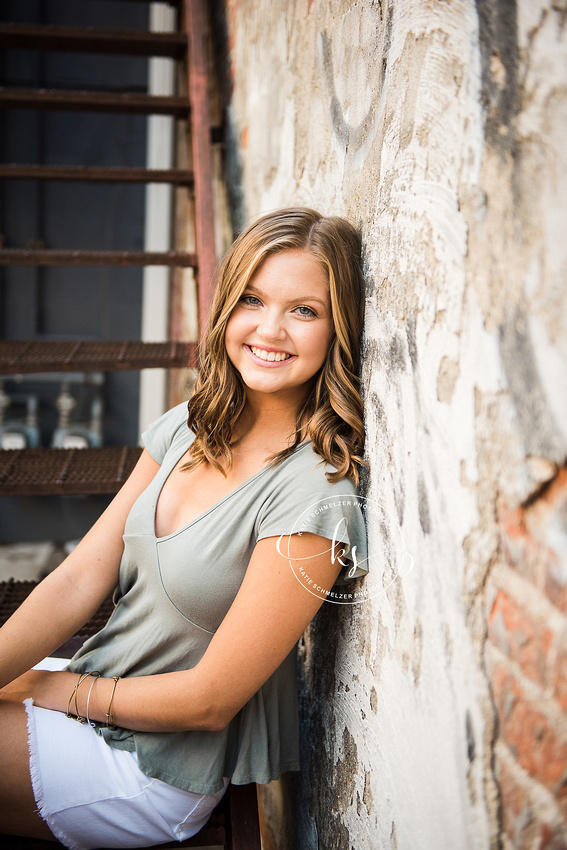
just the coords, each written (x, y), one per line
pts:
(67, 598)
(269, 614)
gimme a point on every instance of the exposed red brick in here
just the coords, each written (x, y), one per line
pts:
(518, 810)
(525, 539)
(524, 554)
(547, 514)
(525, 640)
(522, 824)
(538, 647)
(538, 747)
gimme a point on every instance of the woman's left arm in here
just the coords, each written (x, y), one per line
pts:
(265, 621)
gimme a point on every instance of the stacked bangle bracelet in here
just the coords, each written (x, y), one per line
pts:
(96, 675)
(74, 697)
(109, 717)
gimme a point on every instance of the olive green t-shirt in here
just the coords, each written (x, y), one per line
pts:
(174, 592)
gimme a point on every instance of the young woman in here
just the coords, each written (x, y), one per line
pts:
(226, 539)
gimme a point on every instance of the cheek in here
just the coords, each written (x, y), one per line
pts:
(320, 343)
(234, 330)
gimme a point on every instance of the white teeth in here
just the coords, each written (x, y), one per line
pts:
(270, 355)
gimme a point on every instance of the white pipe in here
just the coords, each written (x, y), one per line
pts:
(157, 237)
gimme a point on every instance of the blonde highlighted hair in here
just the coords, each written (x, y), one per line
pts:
(332, 415)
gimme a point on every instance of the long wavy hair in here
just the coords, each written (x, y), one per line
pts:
(332, 414)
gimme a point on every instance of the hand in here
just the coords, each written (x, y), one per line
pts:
(31, 684)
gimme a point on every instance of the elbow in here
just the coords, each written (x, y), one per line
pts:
(218, 719)
(213, 718)
(216, 724)
(215, 708)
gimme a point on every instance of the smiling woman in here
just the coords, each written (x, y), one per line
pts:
(280, 331)
(192, 682)
(323, 255)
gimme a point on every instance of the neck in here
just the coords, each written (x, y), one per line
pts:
(270, 414)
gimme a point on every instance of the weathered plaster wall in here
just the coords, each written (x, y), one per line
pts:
(432, 712)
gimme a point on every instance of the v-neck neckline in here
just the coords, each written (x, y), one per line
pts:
(217, 504)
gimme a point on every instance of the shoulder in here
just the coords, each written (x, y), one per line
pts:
(167, 431)
(301, 499)
(305, 473)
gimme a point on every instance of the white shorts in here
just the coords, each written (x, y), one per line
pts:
(92, 795)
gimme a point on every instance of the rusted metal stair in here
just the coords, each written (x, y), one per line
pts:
(62, 471)
(234, 825)
(18, 357)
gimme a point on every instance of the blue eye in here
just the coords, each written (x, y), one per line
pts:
(251, 300)
(306, 311)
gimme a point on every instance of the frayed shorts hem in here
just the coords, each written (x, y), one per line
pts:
(37, 786)
(93, 796)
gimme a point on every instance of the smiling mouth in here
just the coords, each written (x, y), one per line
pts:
(270, 356)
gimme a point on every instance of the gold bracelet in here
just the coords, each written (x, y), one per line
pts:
(68, 714)
(109, 717)
(96, 675)
(76, 716)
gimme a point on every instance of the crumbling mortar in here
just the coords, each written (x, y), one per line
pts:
(477, 623)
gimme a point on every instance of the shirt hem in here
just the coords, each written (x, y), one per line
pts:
(188, 785)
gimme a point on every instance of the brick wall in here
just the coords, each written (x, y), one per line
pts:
(526, 660)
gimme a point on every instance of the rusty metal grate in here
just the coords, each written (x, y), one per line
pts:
(49, 472)
(13, 593)
(25, 356)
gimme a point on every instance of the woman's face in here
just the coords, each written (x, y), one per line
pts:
(279, 333)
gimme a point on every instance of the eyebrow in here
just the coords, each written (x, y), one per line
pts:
(251, 288)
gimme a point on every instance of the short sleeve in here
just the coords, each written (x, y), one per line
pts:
(160, 435)
(305, 501)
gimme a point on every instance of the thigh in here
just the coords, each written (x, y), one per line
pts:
(18, 809)
(92, 795)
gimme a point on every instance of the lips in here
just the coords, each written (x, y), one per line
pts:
(271, 357)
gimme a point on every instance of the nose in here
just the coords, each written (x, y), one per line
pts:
(271, 325)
